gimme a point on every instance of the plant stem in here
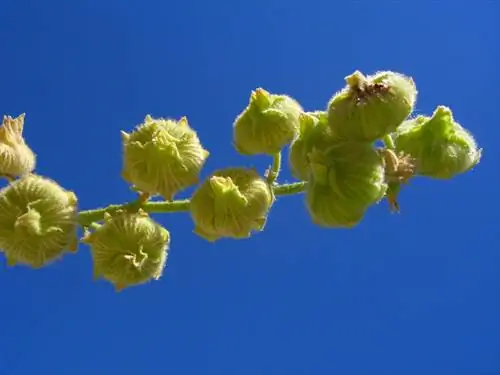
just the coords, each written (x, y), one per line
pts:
(86, 218)
(389, 143)
(274, 171)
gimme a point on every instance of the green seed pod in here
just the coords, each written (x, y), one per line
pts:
(128, 249)
(16, 158)
(162, 157)
(440, 146)
(38, 221)
(346, 179)
(231, 203)
(370, 107)
(314, 132)
(267, 124)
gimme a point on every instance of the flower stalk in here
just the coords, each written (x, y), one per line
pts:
(87, 217)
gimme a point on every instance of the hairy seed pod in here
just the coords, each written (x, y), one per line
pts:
(314, 132)
(16, 157)
(128, 249)
(38, 221)
(162, 157)
(370, 107)
(346, 179)
(440, 146)
(231, 203)
(267, 124)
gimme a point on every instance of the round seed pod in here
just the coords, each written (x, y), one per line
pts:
(314, 132)
(38, 221)
(440, 146)
(16, 157)
(128, 249)
(231, 203)
(162, 157)
(346, 179)
(267, 125)
(369, 108)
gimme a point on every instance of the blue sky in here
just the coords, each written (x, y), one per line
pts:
(415, 293)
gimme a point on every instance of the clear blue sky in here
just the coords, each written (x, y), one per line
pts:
(415, 293)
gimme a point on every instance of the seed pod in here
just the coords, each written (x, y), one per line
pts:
(314, 132)
(128, 249)
(440, 146)
(370, 107)
(162, 157)
(38, 221)
(346, 179)
(16, 157)
(267, 124)
(231, 203)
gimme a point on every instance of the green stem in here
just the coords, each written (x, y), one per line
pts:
(274, 171)
(389, 143)
(86, 218)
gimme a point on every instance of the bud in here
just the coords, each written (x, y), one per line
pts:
(162, 157)
(370, 107)
(16, 158)
(38, 221)
(128, 249)
(232, 203)
(346, 179)
(314, 132)
(267, 124)
(441, 147)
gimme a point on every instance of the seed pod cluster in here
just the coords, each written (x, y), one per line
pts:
(267, 124)
(128, 249)
(162, 157)
(38, 221)
(334, 151)
(231, 203)
(16, 157)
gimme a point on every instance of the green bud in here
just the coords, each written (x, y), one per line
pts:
(314, 132)
(440, 146)
(16, 158)
(370, 107)
(162, 157)
(128, 249)
(231, 203)
(38, 221)
(267, 124)
(346, 179)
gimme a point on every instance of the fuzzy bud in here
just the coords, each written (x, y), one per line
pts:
(128, 249)
(38, 221)
(162, 157)
(231, 203)
(370, 107)
(314, 132)
(267, 124)
(346, 179)
(440, 146)
(16, 157)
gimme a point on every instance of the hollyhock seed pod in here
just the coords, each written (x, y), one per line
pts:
(162, 157)
(231, 203)
(370, 107)
(16, 157)
(345, 180)
(314, 132)
(440, 146)
(38, 221)
(128, 249)
(267, 124)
